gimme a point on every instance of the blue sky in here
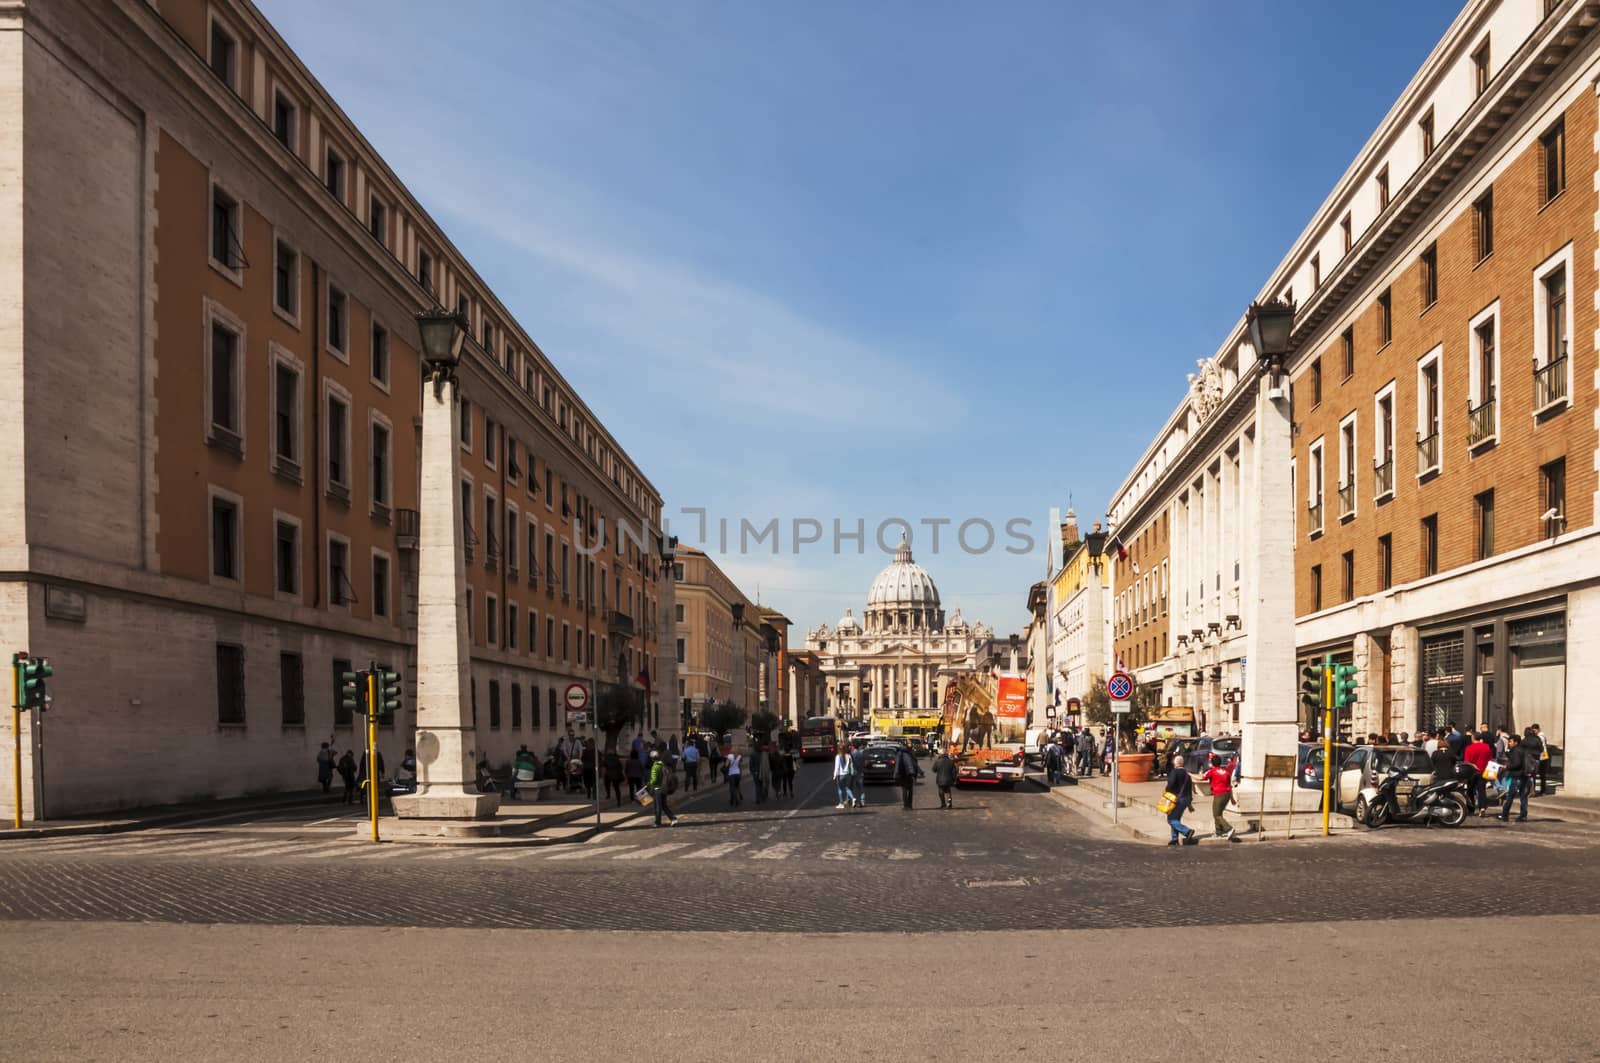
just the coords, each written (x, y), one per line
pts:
(860, 261)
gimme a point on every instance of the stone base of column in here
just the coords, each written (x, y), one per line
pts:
(447, 805)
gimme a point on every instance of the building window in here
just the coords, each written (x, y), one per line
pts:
(494, 704)
(511, 625)
(1347, 352)
(1385, 562)
(286, 557)
(379, 451)
(1316, 272)
(1553, 160)
(491, 619)
(1483, 225)
(224, 57)
(491, 443)
(471, 622)
(1429, 260)
(1482, 410)
(1347, 236)
(286, 281)
(680, 648)
(342, 717)
(1430, 411)
(424, 269)
(1382, 182)
(285, 120)
(552, 704)
(1347, 575)
(516, 706)
(1347, 467)
(1314, 472)
(225, 538)
(1316, 383)
(1430, 545)
(1425, 132)
(378, 220)
(338, 322)
(1552, 327)
(1553, 488)
(678, 611)
(466, 424)
(224, 397)
(339, 444)
(286, 416)
(549, 636)
(566, 641)
(1316, 588)
(230, 683)
(1383, 443)
(292, 689)
(1483, 506)
(380, 356)
(1385, 318)
(1480, 68)
(227, 241)
(339, 586)
(333, 173)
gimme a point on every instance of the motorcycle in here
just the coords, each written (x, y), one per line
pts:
(1444, 801)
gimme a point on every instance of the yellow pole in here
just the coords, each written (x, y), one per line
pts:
(372, 751)
(1327, 752)
(16, 740)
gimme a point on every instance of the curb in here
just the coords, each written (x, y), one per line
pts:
(69, 829)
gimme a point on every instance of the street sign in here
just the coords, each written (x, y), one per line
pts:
(577, 697)
(1120, 686)
(1233, 697)
(1122, 708)
(1049, 712)
(1279, 767)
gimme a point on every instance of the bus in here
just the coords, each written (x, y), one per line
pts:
(820, 737)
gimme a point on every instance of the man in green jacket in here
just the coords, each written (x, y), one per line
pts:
(658, 788)
(944, 776)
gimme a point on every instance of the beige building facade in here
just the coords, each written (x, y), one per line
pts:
(213, 278)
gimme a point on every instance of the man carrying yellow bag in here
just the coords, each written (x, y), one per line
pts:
(1175, 801)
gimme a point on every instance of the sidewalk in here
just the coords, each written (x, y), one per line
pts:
(1139, 818)
(132, 819)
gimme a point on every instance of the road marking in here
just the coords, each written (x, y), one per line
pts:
(781, 851)
(652, 852)
(905, 854)
(380, 852)
(604, 850)
(715, 852)
(516, 853)
(842, 851)
(807, 799)
(994, 882)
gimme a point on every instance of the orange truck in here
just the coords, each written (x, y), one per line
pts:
(986, 717)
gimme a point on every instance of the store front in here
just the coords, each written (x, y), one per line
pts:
(1506, 670)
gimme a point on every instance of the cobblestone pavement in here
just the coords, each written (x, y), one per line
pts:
(997, 861)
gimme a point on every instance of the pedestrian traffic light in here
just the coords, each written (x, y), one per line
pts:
(1312, 687)
(352, 692)
(35, 670)
(388, 691)
(1344, 686)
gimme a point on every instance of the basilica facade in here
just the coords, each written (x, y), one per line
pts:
(901, 652)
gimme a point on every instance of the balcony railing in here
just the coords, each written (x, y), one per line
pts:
(1383, 478)
(1347, 499)
(407, 528)
(1314, 518)
(1427, 454)
(1550, 384)
(1480, 422)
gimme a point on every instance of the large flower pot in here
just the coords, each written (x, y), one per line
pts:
(1135, 767)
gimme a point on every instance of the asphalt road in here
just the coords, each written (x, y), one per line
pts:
(999, 861)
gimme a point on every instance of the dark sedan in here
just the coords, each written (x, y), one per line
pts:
(1197, 752)
(879, 761)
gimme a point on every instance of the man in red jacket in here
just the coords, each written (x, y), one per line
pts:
(1221, 782)
(1478, 754)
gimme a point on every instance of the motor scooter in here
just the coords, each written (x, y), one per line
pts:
(1443, 801)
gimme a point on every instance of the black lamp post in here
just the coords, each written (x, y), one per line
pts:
(443, 332)
(1271, 324)
(1095, 542)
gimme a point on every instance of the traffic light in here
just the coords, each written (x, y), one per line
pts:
(1312, 688)
(352, 692)
(35, 670)
(388, 692)
(1344, 686)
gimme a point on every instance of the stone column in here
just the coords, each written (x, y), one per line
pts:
(1268, 717)
(447, 754)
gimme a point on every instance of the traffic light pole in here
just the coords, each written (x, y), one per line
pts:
(372, 750)
(16, 739)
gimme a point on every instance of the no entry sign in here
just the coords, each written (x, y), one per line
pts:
(1120, 686)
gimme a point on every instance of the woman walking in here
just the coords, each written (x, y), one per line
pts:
(1181, 786)
(842, 770)
(733, 768)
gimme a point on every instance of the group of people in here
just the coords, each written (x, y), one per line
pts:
(1181, 782)
(352, 772)
(850, 774)
(1078, 750)
(1521, 762)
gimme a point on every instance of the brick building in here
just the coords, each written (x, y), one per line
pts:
(213, 278)
(1444, 393)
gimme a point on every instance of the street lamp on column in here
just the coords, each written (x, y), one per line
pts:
(1271, 325)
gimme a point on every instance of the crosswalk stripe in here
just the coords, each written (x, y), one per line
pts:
(652, 852)
(379, 852)
(780, 851)
(714, 852)
(842, 851)
(905, 854)
(516, 853)
(595, 850)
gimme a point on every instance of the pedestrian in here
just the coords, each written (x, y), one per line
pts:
(658, 788)
(755, 765)
(1543, 749)
(1502, 742)
(782, 772)
(843, 773)
(732, 770)
(1220, 780)
(1458, 741)
(1052, 762)
(714, 758)
(1180, 787)
(906, 773)
(347, 773)
(1443, 760)
(691, 766)
(615, 775)
(589, 768)
(325, 762)
(1476, 757)
(858, 774)
(944, 777)
(1086, 752)
(1522, 764)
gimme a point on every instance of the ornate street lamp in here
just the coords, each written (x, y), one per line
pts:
(1271, 325)
(669, 553)
(1095, 541)
(443, 332)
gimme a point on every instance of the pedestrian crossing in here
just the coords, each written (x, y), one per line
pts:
(608, 848)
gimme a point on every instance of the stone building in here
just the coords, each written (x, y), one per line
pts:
(213, 277)
(897, 655)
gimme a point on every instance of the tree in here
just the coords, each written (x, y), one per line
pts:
(762, 723)
(722, 717)
(617, 708)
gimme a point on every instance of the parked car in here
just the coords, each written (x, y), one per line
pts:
(879, 761)
(1309, 775)
(919, 745)
(1197, 751)
(1370, 765)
